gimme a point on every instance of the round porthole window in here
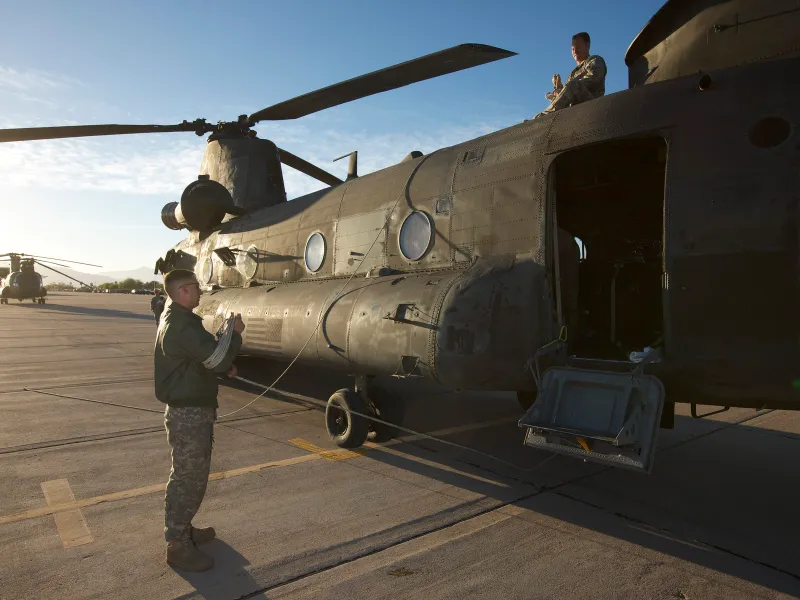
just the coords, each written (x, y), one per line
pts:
(416, 235)
(315, 252)
(770, 132)
(247, 262)
(207, 270)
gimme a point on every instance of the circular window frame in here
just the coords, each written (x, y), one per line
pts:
(209, 260)
(763, 133)
(251, 252)
(431, 233)
(324, 252)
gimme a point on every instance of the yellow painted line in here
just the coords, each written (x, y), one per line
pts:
(150, 489)
(70, 524)
(316, 454)
(339, 454)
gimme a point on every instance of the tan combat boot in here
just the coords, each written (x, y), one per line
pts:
(185, 555)
(202, 535)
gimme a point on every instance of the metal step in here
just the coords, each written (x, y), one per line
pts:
(602, 416)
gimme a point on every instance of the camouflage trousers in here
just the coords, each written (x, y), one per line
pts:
(190, 433)
(573, 92)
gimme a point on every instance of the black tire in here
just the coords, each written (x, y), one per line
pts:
(346, 429)
(390, 408)
(526, 398)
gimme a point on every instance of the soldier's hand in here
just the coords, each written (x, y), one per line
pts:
(557, 81)
(238, 324)
(232, 372)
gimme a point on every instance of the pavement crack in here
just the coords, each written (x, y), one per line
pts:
(664, 530)
(125, 433)
(66, 397)
(65, 360)
(381, 547)
(66, 386)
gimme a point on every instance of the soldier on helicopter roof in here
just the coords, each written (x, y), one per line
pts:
(587, 81)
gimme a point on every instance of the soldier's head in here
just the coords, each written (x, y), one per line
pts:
(182, 287)
(580, 46)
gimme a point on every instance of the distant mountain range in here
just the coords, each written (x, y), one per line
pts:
(142, 273)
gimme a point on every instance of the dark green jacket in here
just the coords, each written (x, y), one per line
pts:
(182, 344)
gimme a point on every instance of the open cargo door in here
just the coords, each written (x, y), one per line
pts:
(606, 417)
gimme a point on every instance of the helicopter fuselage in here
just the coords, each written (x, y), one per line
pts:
(22, 285)
(683, 193)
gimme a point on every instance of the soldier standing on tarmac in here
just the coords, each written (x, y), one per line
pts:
(186, 381)
(157, 305)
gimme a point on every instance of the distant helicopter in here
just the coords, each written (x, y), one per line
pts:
(22, 282)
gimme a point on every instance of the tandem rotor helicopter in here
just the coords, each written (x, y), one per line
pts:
(460, 265)
(21, 282)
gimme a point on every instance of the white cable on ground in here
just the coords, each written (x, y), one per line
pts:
(407, 430)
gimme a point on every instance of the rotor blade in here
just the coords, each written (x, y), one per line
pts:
(306, 167)
(64, 274)
(71, 131)
(439, 63)
(62, 260)
(50, 262)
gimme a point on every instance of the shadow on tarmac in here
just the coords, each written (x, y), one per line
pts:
(85, 310)
(228, 579)
(720, 496)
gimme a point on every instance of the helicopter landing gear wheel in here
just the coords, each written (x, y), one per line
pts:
(346, 429)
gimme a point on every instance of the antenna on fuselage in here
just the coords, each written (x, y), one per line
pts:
(352, 167)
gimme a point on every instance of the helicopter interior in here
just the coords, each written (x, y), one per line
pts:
(611, 197)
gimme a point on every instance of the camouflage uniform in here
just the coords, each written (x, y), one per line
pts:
(190, 433)
(189, 389)
(157, 307)
(587, 81)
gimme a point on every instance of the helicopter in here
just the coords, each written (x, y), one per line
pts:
(459, 266)
(21, 282)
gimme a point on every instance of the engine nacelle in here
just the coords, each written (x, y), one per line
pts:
(202, 207)
(237, 176)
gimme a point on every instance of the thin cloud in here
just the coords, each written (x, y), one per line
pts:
(165, 166)
(32, 80)
(34, 86)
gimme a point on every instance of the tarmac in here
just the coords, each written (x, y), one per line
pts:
(84, 461)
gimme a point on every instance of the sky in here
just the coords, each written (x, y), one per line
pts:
(98, 200)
